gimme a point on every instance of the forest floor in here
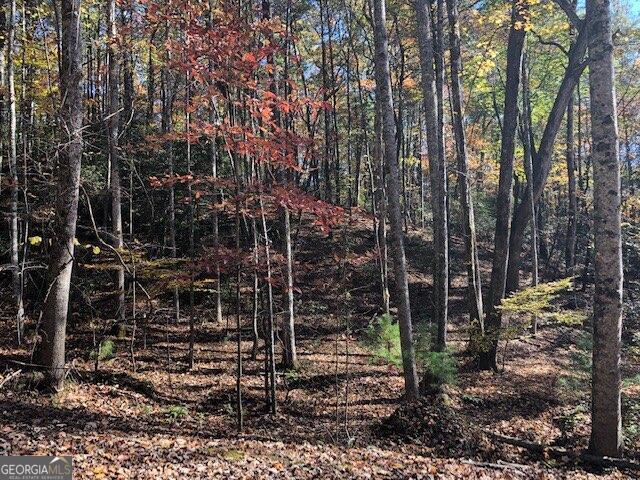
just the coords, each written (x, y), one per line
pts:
(165, 421)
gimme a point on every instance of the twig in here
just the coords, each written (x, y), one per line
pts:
(109, 246)
(9, 377)
(499, 465)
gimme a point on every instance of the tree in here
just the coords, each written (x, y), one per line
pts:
(168, 96)
(383, 90)
(468, 217)
(606, 419)
(526, 135)
(13, 174)
(572, 221)
(113, 132)
(542, 158)
(493, 324)
(56, 302)
(437, 172)
(441, 196)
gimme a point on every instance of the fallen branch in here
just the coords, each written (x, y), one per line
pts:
(12, 375)
(563, 452)
(499, 465)
(518, 442)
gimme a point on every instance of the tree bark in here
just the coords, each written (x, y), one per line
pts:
(468, 218)
(151, 82)
(13, 175)
(440, 202)
(326, 113)
(56, 303)
(606, 419)
(291, 356)
(543, 157)
(113, 132)
(167, 126)
(493, 323)
(380, 202)
(528, 171)
(383, 91)
(437, 173)
(3, 62)
(570, 248)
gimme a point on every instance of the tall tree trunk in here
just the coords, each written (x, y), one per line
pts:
(528, 171)
(326, 113)
(270, 347)
(127, 71)
(437, 172)
(572, 214)
(493, 323)
(290, 352)
(151, 81)
(468, 218)
(56, 302)
(334, 109)
(543, 157)
(3, 35)
(606, 419)
(192, 223)
(383, 90)
(291, 356)
(441, 230)
(570, 250)
(113, 132)
(168, 93)
(13, 175)
(380, 203)
(213, 158)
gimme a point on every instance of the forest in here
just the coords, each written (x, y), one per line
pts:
(320, 239)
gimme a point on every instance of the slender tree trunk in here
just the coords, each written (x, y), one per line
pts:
(493, 323)
(56, 302)
(468, 218)
(383, 90)
(570, 251)
(128, 93)
(290, 353)
(213, 157)
(437, 172)
(334, 109)
(606, 419)
(13, 174)
(255, 334)
(113, 132)
(270, 353)
(239, 364)
(291, 356)
(441, 230)
(326, 113)
(167, 127)
(151, 81)
(528, 171)
(3, 36)
(192, 223)
(542, 159)
(380, 202)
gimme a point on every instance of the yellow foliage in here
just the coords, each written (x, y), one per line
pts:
(35, 241)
